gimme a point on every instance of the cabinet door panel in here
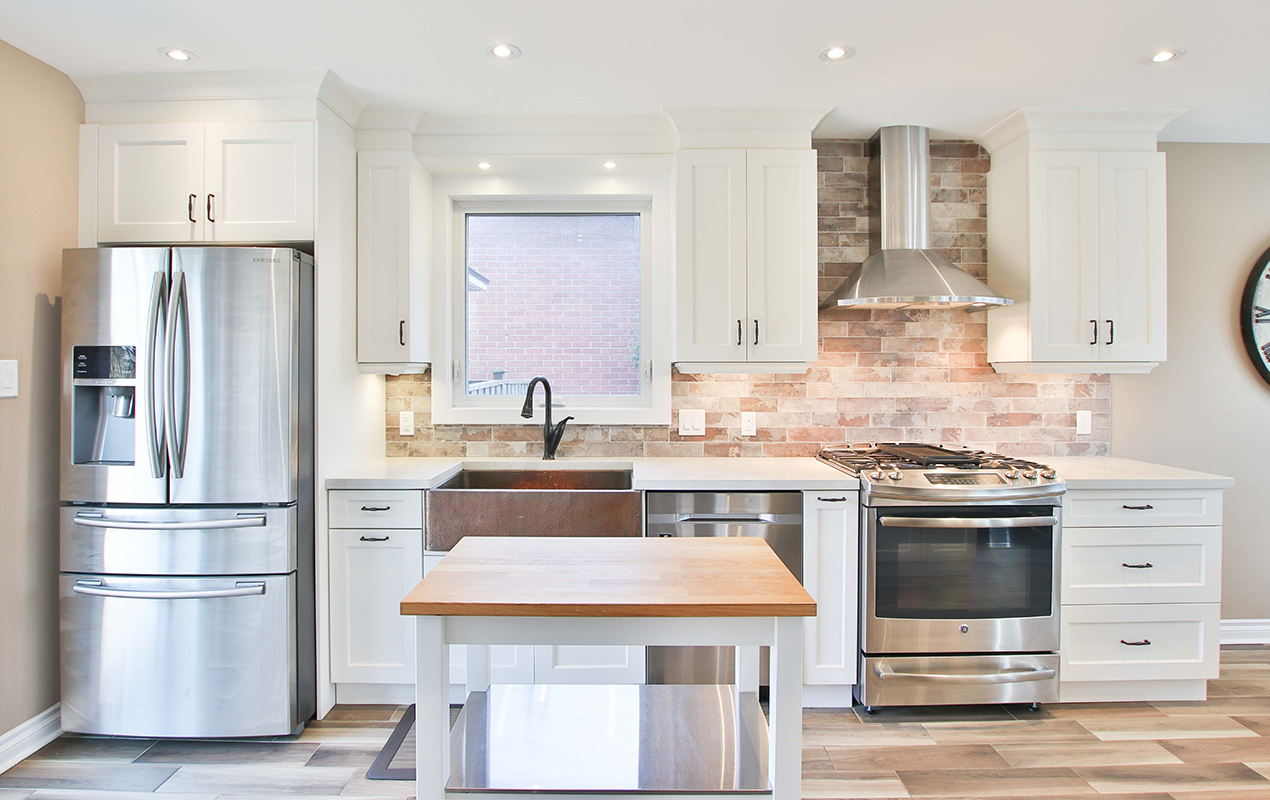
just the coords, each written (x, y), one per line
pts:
(259, 182)
(711, 254)
(383, 256)
(1063, 243)
(602, 664)
(146, 175)
(831, 551)
(371, 570)
(1140, 642)
(781, 255)
(1132, 256)
(1141, 565)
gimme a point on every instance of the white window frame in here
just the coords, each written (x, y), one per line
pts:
(576, 194)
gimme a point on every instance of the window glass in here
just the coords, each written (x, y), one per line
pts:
(556, 295)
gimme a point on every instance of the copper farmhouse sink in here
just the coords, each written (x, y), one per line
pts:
(548, 502)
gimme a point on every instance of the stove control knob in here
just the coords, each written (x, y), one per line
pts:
(876, 474)
(1029, 473)
(1048, 473)
(1011, 473)
(895, 475)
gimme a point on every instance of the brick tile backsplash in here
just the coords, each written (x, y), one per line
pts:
(883, 375)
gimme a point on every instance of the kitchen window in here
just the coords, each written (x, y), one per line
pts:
(560, 288)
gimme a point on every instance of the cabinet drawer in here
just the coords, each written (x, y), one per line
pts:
(1183, 642)
(1141, 565)
(389, 509)
(1119, 508)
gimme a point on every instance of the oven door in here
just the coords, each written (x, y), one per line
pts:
(961, 580)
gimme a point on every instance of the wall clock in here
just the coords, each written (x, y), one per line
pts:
(1254, 315)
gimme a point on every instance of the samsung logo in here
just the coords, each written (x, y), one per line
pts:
(267, 260)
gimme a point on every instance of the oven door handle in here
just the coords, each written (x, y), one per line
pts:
(884, 672)
(968, 522)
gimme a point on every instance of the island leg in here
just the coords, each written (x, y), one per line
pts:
(784, 754)
(432, 709)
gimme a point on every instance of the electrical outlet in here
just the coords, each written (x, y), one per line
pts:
(8, 379)
(749, 423)
(1084, 423)
(406, 423)
(692, 422)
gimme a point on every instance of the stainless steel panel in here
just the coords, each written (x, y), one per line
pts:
(108, 298)
(235, 375)
(668, 739)
(776, 517)
(1000, 635)
(178, 657)
(956, 680)
(178, 541)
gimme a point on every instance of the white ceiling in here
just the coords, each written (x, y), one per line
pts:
(958, 67)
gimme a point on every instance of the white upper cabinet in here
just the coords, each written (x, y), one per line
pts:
(393, 226)
(195, 182)
(149, 183)
(259, 182)
(745, 259)
(1077, 239)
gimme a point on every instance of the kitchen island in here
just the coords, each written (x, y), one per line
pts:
(676, 740)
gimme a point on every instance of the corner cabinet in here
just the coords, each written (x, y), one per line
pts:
(831, 569)
(194, 182)
(1077, 238)
(393, 228)
(745, 260)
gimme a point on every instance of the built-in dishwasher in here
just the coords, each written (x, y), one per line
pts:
(776, 517)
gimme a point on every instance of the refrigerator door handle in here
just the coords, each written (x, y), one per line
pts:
(241, 521)
(155, 430)
(178, 306)
(241, 589)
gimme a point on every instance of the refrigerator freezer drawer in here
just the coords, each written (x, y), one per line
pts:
(178, 541)
(178, 657)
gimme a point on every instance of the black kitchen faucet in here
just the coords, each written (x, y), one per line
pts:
(550, 435)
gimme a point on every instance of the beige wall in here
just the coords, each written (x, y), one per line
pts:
(1206, 407)
(39, 152)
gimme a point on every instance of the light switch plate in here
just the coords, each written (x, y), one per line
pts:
(692, 422)
(8, 379)
(406, 423)
(749, 423)
(1084, 423)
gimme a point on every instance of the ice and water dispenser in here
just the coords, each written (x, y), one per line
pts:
(104, 405)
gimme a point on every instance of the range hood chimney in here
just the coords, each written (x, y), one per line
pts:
(903, 272)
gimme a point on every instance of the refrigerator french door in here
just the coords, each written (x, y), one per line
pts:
(187, 519)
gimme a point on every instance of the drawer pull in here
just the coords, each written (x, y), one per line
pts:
(375, 508)
(1147, 565)
(374, 538)
(832, 499)
(1145, 507)
(1142, 643)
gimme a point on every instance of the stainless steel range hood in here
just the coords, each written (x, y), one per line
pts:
(903, 272)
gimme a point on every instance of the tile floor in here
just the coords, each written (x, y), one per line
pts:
(1136, 751)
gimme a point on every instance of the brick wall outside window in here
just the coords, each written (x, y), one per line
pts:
(882, 375)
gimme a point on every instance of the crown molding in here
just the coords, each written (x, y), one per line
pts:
(781, 128)
(390, 118)
(1076, 121)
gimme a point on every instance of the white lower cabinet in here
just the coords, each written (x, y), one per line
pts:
(1150, 642)
(588, 664)
(371, 570)
(831, 568)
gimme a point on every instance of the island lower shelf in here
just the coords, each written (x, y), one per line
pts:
(699, 739)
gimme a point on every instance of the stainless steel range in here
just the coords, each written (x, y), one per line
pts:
(959, 575)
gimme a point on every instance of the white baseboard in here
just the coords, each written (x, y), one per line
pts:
(30, 736)
(1245, 631)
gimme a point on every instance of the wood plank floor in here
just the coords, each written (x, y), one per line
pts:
(1219, 749)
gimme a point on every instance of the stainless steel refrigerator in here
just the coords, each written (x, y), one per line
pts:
(187, 577)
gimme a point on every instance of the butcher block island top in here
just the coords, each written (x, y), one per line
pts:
(518, 576)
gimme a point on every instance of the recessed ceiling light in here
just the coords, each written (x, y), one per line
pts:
(177, 54)
(1163, 56)
(502, 50)
(483, 165)
(610, 165)
(837, 52)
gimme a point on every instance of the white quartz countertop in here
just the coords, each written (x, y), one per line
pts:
(1124, 473)
(686, 474)
(744, 474)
